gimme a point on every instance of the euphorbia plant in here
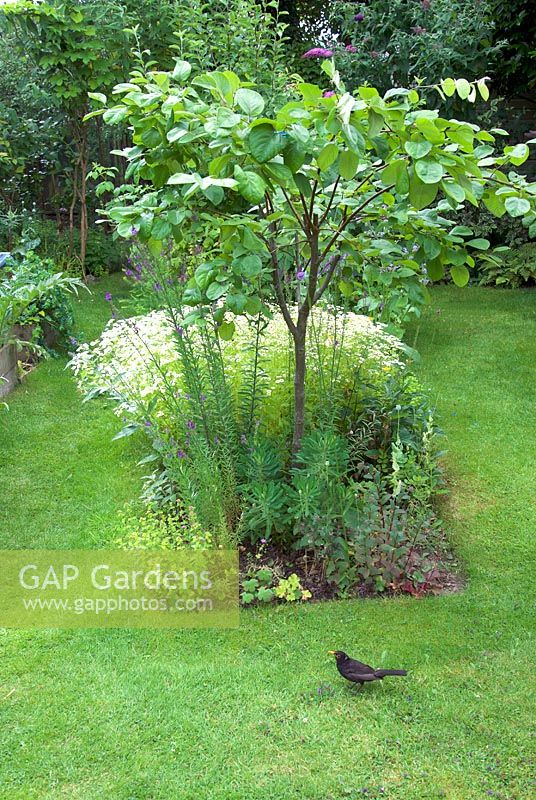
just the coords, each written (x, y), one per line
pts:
(289, 206)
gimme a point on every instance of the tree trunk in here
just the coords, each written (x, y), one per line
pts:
(300, 366)
(83, 198)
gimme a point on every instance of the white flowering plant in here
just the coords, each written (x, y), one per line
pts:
(136, 362)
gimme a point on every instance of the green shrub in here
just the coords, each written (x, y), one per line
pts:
(34, 294)
(516, 268)
(30, 232)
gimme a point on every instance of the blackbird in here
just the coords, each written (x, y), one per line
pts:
(360, 673)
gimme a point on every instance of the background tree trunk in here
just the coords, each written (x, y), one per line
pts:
(300, 367)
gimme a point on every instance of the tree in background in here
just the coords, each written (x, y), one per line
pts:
(391, 43)
(515, 64)
(77, 51)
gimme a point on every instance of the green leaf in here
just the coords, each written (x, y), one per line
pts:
(161, 229)
(435, 269)
(460, 275)
(421, 194)
(250, 185)
(517, 206)
(463, 87)
(483, 89)
(264, 142)
(115, 115)
(418, 148)
(182, 70)
(226, 331)
(99, 96)
(327, 156)
(253, 306)
(279, 173)
(375, 123)
(265, 595)
(182, 178)
(348, 164)
(216, 290)
(518, 154)
(429, 171)
(453, 190)
(128, 430)
(302, 182)
(176, 133)
(494, 204)
(249, 266)
(250, 102)
(293, 156)
(448, 86)
(479, 244)
(252, 242)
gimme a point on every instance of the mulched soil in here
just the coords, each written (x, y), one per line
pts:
(443, 579)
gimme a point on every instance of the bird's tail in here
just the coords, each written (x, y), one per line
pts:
(381, 673)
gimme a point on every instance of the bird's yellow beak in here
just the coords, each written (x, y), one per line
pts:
(331, 652)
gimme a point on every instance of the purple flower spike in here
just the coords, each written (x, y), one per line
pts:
(359, 17)
(328, 94)
(181, 454)
(129, 273)
(300, 274)
(318, 52)
(351, 48)
(108, 297)
(157, 287)
(190, 425)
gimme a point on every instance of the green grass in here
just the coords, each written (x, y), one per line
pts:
(151, 715)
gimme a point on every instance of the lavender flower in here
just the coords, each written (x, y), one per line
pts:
(108, 297)
(202, 398)
(148, 423)
(300, 274)
(359, 17)
(190, 425)
(129, 273)
(328, 94)
(351, 48)
(181, 454)
(318, 52)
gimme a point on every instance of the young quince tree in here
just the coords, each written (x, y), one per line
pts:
(289, 206)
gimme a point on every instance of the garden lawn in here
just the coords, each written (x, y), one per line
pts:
(260, 712)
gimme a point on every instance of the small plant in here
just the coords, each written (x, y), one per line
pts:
(266, 585)
(259, 587)
(516, 268)
(153, 528)
(290, 589)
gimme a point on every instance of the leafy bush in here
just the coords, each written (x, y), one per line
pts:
(104, 254)
(152, 528)
(516, 268)
(34, 294)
